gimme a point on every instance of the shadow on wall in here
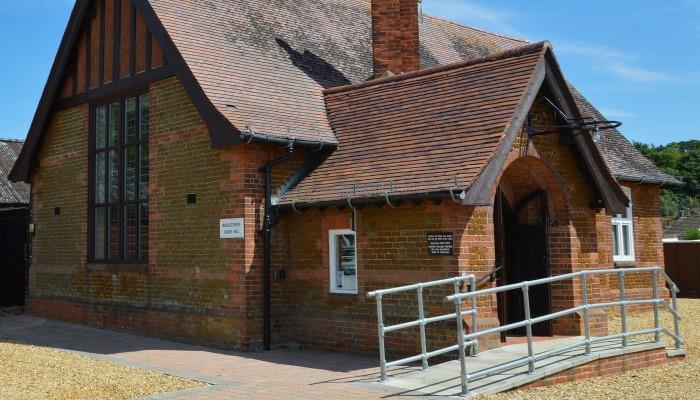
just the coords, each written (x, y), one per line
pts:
(314, 66)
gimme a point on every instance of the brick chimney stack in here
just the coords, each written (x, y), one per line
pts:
(395, 45)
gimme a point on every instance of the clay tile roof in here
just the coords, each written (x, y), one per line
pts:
(11, 193)
(625, 162)
(420, 133)
(264, 63)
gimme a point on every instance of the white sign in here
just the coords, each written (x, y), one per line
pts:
(232, 228)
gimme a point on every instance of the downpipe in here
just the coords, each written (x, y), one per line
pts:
(267, 234)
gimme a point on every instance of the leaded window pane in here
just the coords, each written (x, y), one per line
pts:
(113, 176)
(130, 132)
(130, 161)
(100, 179)
(143, 231)
(113, 232)
(143, 173)
(100, 128)
(99, 233)
(144, 116)
(131, 231)
(114, 124)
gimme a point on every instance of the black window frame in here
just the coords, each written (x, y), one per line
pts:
(142, 253)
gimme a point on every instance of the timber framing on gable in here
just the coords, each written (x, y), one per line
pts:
(113, 50)
(110, 48)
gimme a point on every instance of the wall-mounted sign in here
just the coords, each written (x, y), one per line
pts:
(440, 244)
(232, 228)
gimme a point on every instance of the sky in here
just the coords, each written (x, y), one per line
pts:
(637, 61)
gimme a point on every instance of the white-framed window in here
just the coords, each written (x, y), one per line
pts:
(623, 232)
(342, 252)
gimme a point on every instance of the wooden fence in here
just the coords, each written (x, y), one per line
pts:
(683, 266)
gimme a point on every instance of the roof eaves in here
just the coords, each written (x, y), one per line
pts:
(670, 183)
(393, 199)
(480, 191)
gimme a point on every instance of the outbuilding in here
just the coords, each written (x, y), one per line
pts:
(14, 224)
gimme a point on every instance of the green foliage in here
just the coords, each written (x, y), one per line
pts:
(692, 234)
(682, 160)
(669, 204)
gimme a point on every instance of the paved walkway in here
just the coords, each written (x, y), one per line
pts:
(278, 374)
(293, 374)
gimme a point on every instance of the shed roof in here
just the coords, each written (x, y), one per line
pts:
(11, 193)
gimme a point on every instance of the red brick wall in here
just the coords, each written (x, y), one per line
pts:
(200, 288)
(392, 251)
(648, 244)
(605, 367)
(196, 287)
(395, 36)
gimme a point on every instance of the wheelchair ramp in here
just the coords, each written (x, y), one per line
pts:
(444, 379)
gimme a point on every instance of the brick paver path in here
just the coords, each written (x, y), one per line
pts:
(279, 374)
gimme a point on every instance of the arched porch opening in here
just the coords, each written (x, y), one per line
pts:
(532, 241)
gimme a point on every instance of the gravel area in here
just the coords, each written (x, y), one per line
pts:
(31, 372)
(677, 380)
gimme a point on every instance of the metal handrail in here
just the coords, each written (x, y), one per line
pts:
(491, 275)
(422, 321)
(585, 308)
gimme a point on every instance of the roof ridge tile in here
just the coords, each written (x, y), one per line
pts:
(517, 52)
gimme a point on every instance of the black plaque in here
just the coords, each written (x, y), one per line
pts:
(440, 244)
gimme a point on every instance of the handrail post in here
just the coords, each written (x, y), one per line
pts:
(623, 307)
(655, 288)
(475, 346)
(676, 326)
(380, 328)
(421, 316)
(586, 314)
(460, 342)
(528, 329)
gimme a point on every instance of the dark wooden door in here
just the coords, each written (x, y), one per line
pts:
(13, 274)
(529, 260)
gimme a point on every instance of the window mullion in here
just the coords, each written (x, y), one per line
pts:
(120, 162)
(137, 176)
(105, 226)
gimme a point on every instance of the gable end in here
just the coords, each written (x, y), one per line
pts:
(111, 48)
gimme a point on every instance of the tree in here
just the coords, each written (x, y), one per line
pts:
(682, 160)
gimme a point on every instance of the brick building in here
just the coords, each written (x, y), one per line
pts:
(242, 173)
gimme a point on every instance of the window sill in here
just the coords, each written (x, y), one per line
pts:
(625, 264)
(117, 267)
(343, 294)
